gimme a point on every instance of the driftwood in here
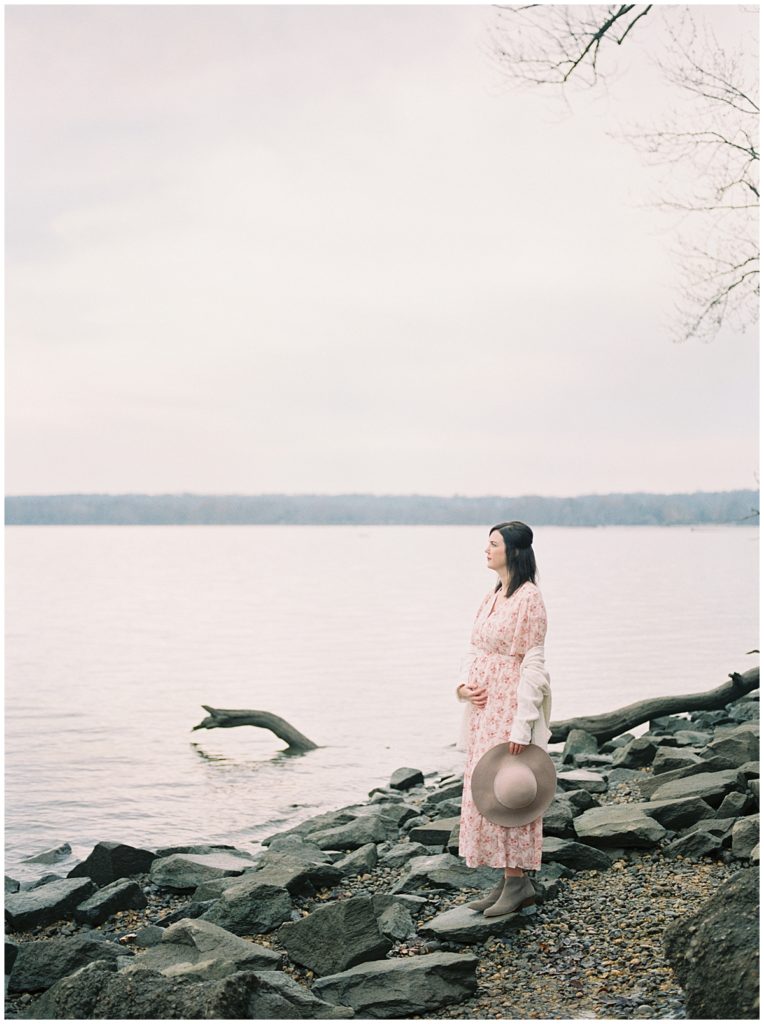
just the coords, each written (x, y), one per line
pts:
(225, 718)
(613, 723)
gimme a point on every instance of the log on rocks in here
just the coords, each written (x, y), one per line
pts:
(613, 723)
(227, 718)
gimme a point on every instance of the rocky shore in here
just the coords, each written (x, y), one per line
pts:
(647, 904)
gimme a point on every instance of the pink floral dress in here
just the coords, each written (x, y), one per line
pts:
(504, 630)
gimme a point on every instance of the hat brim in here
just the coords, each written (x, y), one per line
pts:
(485, 771)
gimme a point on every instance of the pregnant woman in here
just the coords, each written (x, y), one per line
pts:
(507, 719)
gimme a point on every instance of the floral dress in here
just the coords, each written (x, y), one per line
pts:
(504, 630)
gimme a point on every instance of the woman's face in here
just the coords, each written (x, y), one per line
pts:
(496, 552)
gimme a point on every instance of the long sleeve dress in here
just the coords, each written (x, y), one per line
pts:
(505, 630)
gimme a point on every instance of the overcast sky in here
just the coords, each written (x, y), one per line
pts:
(327, 249)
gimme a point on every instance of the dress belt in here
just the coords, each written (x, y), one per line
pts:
(497, 654)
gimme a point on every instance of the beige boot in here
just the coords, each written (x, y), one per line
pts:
(518, 892)
(489, 899)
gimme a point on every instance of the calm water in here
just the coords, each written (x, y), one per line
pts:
(117, 635)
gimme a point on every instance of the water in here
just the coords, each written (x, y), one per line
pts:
(117, 635)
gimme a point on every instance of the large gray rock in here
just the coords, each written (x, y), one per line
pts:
(358, 862)
(461, 924)
(701, 841)
(575, 855)
(715, 952)
(709, 786)
(318, 823)
(402, 987)
(191, 947)
(677, 814)
(336, 936)
(401, 853)
(124, 894)
(578, 741)
(99, 992)
(451, 789)
(637, 753)
(745, 836)
(434, 833)
(367, 828)
(250, 907)
(183, 872)
(738, 745)
(668, 759)
(39, 965)
(11, 885)
(47, 903)
(296, 874)
(394, 920)
(618, 825)
(51, 856)
(444, 871)
(558, 819)
(406, 778)
(109, 861)
(295, 846)
(648, 783)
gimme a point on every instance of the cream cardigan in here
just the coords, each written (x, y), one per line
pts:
(534, 702)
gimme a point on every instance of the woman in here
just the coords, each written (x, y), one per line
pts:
(507, 688)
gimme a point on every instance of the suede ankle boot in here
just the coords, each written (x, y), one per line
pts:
(517, 892)
(489, 899)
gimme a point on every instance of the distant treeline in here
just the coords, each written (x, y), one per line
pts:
(315, 509)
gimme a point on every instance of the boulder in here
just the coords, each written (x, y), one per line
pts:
(402, 987)
(745, 836)
(26, 886)
(168, 851)
(296, 846)
(451, 789)
(250, 907)
(393, 917)
(368, 828)
(359, 861)
(52, 856)
(579, 800)
(318, 823)
(580, 778)
(401, 853)
(637, 753)
(41, 964)
(11, 952)
(393, 812)
(434, 833)
(442, 808)
(618, 775)
(336, 936)
(149, 935)
(452, 845)
(738, 745)
(734, 805)
(574, 855)
(47, 903)
(596, 760)
(678, 814)
(691, 738)
(558, 820)
(668, 724)
(618, 825)
(189, 944)
(406, 778)
(461, 924)
(183, 872)
(578, 741)
(667, 759)
(715, 952)
(709, 786)
(109, 861)
(124, 894)
(296, 874)
(694, 845)
(444, 871)
(11, 885)
(648, 784)
(98, 991)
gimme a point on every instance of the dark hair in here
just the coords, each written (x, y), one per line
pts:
(521, 562)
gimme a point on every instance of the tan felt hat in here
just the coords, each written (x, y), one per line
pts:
(513, 789)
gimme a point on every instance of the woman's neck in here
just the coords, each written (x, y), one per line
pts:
(504, 577)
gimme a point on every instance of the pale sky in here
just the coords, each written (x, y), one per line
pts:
(328, 249)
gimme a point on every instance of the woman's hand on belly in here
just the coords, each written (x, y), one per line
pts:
(517, 748)
(477, 695)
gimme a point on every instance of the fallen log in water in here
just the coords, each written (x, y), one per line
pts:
(613, 723)
(227, 718)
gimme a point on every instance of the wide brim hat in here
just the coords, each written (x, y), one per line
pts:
(513, 789)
